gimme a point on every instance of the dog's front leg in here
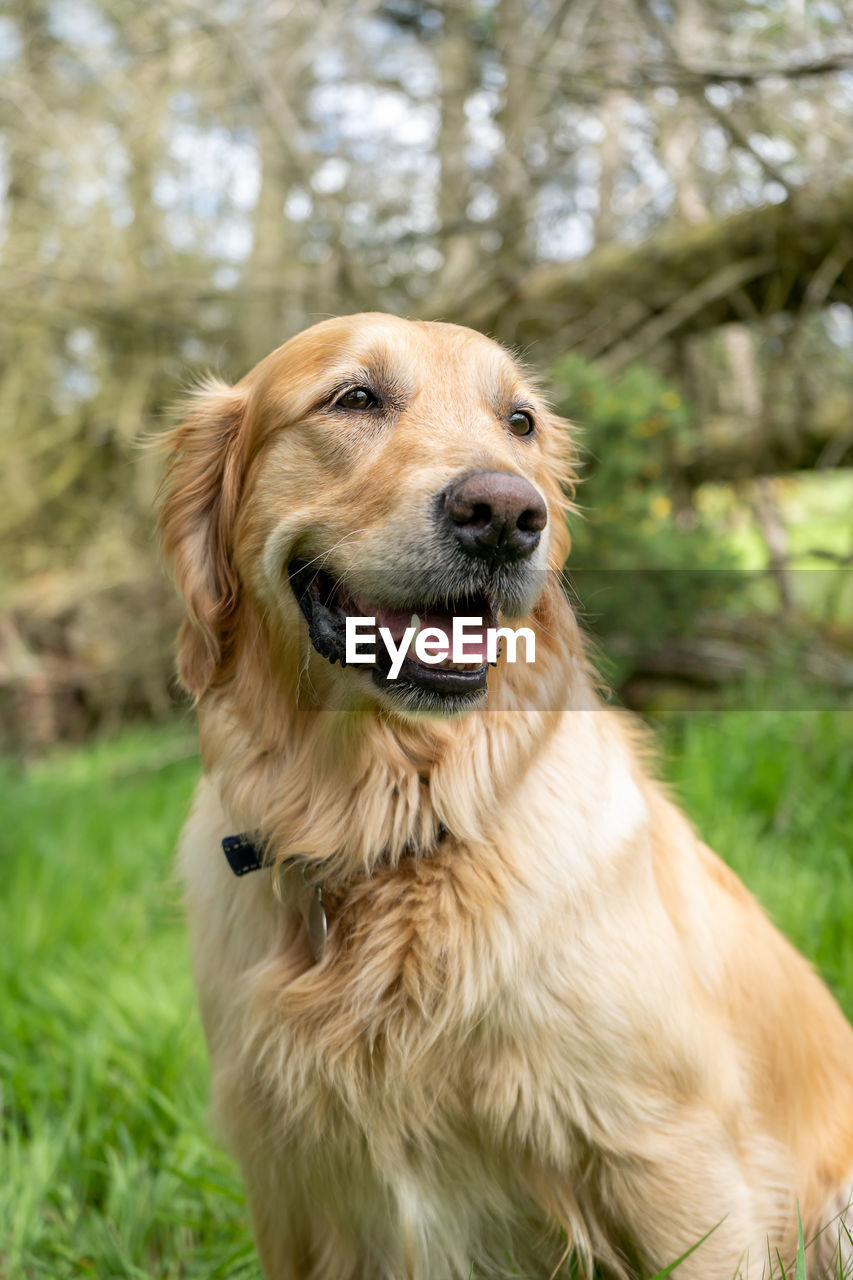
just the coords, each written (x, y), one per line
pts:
(310, 1249)
(704, 1187)
(307, 1219)
(283, 1250)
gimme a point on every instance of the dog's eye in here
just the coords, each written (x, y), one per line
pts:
(521, 423)
(357, 398)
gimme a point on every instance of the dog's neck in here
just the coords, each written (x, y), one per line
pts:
(350, 789)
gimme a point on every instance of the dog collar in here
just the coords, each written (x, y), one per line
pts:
(245, 853)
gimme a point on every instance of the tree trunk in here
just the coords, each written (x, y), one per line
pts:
(458, 71)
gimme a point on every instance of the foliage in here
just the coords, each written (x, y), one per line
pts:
(630, 428)
(188, 185)
(110, 1167)
(185, 186)
(640, 558)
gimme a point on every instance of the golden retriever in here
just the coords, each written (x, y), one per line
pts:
(546, 1019)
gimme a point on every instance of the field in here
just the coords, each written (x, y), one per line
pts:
(109, 1166)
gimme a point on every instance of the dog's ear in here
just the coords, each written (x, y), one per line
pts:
(199, 497)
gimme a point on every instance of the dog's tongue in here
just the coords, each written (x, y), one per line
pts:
(397, 621)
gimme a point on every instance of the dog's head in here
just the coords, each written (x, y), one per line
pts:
(370, 467)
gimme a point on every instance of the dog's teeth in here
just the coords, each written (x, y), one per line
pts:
(416, 623)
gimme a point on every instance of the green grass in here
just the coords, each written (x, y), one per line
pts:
(772, 792)
(108, 1167)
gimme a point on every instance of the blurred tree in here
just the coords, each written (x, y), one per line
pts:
(185, 184)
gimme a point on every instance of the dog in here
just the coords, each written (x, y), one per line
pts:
(478, 1000)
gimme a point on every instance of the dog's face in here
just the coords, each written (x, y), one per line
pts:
(376, 467)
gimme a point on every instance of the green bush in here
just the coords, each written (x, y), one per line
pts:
(642, 562)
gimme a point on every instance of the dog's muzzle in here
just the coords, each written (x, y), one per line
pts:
(476, 561)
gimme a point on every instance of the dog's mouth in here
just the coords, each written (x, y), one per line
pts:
(327, 604)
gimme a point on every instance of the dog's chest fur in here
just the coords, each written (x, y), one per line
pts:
(447, 1057)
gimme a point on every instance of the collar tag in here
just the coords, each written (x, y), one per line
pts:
(243, 854)
(314, 915)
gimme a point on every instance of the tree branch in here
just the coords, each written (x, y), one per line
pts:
(781, 257)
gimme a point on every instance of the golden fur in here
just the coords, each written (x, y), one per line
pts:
(565, 1020)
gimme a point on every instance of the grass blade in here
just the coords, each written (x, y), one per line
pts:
(800, 1272)
(670, 1267)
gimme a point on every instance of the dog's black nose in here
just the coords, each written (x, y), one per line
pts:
(496, 515)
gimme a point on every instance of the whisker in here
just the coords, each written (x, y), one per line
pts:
(347, 537)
